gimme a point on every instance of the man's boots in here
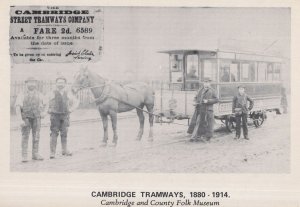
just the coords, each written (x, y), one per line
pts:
(65, 151)
(24, 150)
(237, 137)
(195, 137)
(53, 141)
(246, 137)
(35, 151)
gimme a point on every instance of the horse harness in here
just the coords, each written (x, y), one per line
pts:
(103, 97)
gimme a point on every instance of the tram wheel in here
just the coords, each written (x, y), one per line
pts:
(259, 121)
(230, 124)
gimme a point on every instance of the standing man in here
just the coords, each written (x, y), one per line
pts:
(61, 104)
(30, 107)
(202, 123)
(240, 109)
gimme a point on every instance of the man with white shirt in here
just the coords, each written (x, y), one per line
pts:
(61, 104)
(30, 107)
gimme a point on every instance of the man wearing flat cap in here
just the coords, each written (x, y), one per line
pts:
(61, 104)
(30, 107)
(240, 108)
(203, 118)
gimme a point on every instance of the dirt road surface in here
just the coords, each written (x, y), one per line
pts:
(267, 151)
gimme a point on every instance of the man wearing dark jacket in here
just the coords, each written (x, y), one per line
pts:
(240, 109)
(61, 104)
(203, 118)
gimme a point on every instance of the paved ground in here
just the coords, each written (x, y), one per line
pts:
(268, 151)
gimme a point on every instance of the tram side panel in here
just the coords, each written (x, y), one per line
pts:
(260, 104)
(184, 102)
(266, 97)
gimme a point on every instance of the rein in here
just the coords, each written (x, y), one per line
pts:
(109, 96)
(91, 87)
(97, 86)
(119, 100)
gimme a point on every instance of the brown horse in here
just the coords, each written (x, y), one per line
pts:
(112, 98)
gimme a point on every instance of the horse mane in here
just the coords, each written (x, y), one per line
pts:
(96, 75)
(97, 80)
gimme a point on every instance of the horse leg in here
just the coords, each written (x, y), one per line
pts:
(113, 117)
(105, 126)
(151, 117)
(141, 119)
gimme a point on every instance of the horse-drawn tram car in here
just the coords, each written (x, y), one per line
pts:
(260, 74)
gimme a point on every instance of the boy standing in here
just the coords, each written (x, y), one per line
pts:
(240, 109)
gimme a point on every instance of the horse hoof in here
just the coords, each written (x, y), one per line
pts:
(150, 139)
(113, 144)
(103, 144)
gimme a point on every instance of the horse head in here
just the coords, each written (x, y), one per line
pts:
(81, 79)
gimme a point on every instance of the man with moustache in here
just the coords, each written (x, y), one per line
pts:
(61, 104)
(203, 118)
(30, 107)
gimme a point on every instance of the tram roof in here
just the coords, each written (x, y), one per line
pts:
(242, 54)
(182, 51)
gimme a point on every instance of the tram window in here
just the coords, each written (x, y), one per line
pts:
(224, 71)
(176, 63)
(192, 67)
(261, 72)
(210, 69)
(234, 72)
(248, 72)
(229, 71)
(277, 69)
(192, 72)
(253, 68)
(176, 77)
(270, 72)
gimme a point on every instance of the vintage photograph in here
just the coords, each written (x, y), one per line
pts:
(150, 89)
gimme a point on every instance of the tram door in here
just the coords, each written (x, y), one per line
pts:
(192, 72)
(176, 71)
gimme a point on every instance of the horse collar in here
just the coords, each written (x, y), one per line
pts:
(104, 94)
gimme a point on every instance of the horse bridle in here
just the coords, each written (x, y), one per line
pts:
(97, 86)
(90, 87)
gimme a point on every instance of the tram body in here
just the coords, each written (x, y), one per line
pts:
(260, 74)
